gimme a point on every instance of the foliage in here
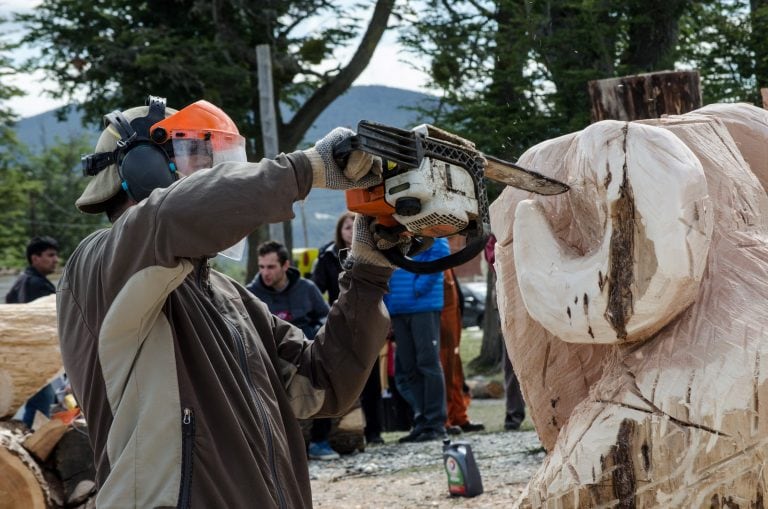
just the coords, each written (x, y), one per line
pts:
(15, 187)
(716, 38)
(513, 73)
(58, 182)
(116, 52)
(39, 192)
(13, 231)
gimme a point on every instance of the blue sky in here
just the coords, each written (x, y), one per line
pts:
(387, 61)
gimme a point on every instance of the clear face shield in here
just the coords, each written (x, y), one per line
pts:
(199, 150)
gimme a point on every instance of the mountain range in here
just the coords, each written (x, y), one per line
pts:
(316, 215)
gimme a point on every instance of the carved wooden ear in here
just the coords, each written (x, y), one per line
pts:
(654, 211)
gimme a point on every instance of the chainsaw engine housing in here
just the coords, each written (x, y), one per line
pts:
(437, 199)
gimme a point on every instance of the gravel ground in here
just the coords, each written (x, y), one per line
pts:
(397, 475)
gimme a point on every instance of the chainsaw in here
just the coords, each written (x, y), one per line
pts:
(432, 187)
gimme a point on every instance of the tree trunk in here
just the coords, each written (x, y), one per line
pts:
(645, 95)
(492, 348)
(759, 20)
(28, 332)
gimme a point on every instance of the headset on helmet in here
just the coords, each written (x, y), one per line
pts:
(142, 163)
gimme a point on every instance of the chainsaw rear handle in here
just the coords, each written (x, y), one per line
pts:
(472, 249)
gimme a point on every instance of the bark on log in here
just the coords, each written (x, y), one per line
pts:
(22, 483)
(645, 96)
(29, 351)
(66, 479)
(677, 419)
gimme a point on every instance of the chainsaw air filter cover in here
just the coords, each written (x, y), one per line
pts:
(436, 200)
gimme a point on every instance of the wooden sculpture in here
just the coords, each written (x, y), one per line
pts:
(635, 311)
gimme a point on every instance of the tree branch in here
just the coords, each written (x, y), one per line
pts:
(293, 133)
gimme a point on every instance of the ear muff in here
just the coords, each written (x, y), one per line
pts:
(144, 167)
(142, 164)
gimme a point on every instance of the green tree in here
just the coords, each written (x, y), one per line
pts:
(57, 181)
(717, 38)
(12, 181)
(514, 72)
(13, 225)
(115, 52)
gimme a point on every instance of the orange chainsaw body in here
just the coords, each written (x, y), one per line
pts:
(370, 202)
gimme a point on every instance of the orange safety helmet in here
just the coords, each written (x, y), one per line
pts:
(201, 136)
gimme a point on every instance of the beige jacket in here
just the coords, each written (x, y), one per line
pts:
(190, 387)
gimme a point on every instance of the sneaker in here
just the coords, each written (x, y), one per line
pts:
(453, 430)
(470, 426)
(410, 437)
(374, 439)
(322, 451)
(511, 426)
(429, 435)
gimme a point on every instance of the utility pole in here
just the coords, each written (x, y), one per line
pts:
(280, 232)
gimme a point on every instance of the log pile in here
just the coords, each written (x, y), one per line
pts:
(634, 311)
(52, 466)
(29, 351)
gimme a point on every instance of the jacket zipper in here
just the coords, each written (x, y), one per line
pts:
(260, 406)
(201, 275)
(187, 443)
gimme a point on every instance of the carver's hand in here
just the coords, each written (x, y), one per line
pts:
(367, 246)
(362, 169)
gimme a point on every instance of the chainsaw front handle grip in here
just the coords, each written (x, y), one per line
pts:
(342, 150)
(472, 249)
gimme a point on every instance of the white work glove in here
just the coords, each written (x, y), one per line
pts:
(367, 250)
(362, 169)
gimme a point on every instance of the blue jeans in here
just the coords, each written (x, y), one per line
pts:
(42, 402)
(418, 373)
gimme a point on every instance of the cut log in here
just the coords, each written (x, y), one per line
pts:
(644, 96)
(41, 442)
(481, 388)
(18, 486)
(22, 483)
(73, 462)
(675, 418)
(29, 351)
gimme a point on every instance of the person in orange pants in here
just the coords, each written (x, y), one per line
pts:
(450, 337)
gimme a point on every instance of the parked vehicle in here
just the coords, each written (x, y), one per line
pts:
(474, 303)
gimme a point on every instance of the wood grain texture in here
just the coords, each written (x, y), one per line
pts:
(678, 419)
(29, 351)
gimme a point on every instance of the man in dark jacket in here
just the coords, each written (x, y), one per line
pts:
(298, 301)
(288, 295)
(190, 386)
(42, 257)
